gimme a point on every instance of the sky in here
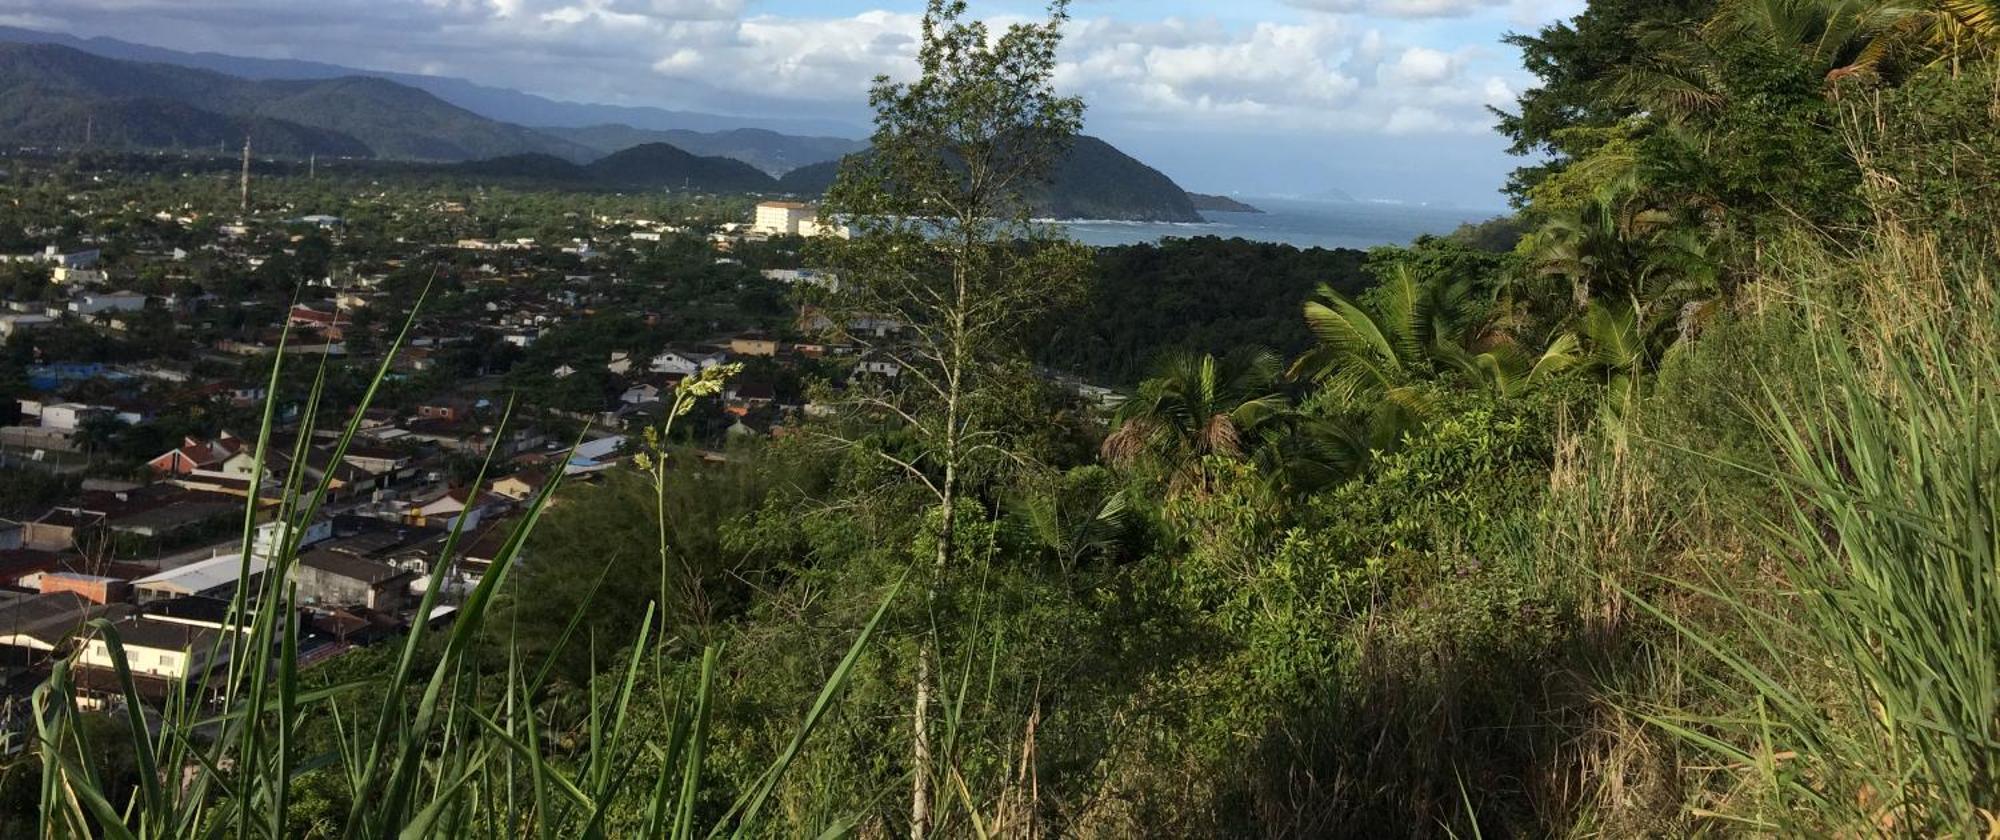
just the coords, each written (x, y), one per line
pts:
(1379, 99)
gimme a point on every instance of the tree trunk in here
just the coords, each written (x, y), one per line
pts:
(920, 781)
(920, 747)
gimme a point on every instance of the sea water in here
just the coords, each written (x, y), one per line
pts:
(1306, 224)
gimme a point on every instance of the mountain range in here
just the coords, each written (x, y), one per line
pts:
(767, 150)
(53, 94)
(492, 102)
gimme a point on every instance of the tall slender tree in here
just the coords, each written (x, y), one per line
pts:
(940, 265)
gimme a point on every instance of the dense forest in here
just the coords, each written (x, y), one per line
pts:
(1676, 517)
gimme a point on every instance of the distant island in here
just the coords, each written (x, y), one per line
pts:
(1221, 204)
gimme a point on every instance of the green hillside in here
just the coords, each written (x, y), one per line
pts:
(54, 95)
(774, 153)
(1093, 181)
(658, 165)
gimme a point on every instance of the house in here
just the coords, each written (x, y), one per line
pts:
(89, 304)
(333, 578)
(686, 363)
(381, 461)
(878, 366)
(641, 393)
(215, 577)
(310, 318)
(450, 409)
(96, 589)
(12, 323)
(212, 613)
(45, 622)
(795, 276)
(446, 510)
(58, 258)
(163, 510)
(65, 416)
(271, 537)
(754, 344)
(59, 529)
(196, 455)
(67, 276)
(750, 394)
(521, 486)
(164, 650)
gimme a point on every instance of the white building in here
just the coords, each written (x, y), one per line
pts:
(782, 218)
(88, 304)
(271, 537)
(168, 650)
(686, 363)
(66, 276)
(11, 324)
(216, 576)
(63, 417)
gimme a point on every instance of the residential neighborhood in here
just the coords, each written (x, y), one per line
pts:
(171, 368)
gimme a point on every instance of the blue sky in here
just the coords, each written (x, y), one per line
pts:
(1377, 98)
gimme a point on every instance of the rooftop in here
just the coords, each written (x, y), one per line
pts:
(203, 576)
(349, 566)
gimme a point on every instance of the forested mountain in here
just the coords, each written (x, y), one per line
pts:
(661, 165)
(485, 100)
(774, 153)
(30, 119)
(56, 95)
(1093, 181)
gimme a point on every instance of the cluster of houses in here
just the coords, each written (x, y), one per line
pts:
(159, 554)
(163, 560)
(84, 292)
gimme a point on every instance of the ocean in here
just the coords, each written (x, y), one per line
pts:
(1306, 224)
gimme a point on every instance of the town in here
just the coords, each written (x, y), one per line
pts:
(143, 317)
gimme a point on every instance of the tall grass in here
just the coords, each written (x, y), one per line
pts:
(437, 746)
(1865, 690)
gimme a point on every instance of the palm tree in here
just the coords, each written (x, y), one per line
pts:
(1076, 514)
(1621, 246)
(1386, 360)
(1196, 407)
(1623, 346)
(1932, 33)
(1690, 77)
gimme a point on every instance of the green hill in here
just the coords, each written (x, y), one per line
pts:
(1094, 181)
(769, 151)
(54, 95)
(658, 165)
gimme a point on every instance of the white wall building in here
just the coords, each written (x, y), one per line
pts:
(87, 304)
(782, 218)
(63, 417)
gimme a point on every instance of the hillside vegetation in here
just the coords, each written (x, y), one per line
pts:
(1093, 180)
(1678, 519)
(55, 95)
(774, 153)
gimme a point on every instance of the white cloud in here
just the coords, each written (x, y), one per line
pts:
(1400, 8)
(1318, 72)
(1420, 66)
